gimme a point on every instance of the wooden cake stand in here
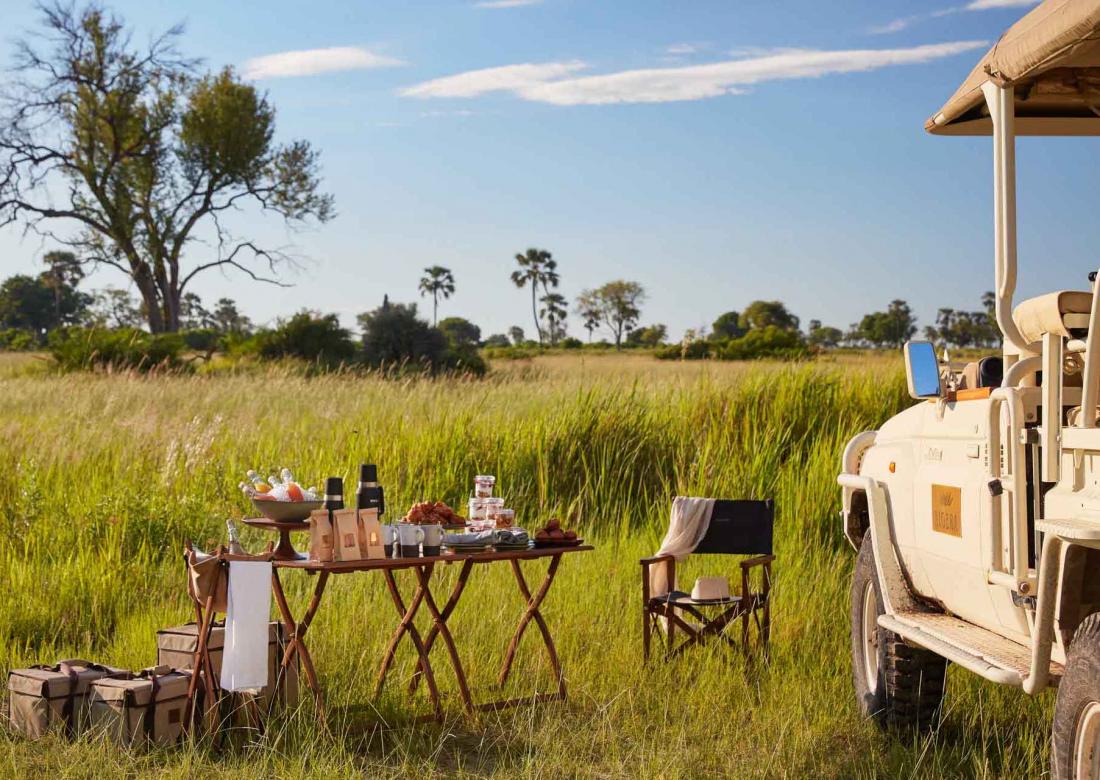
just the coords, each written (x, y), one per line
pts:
(285, 550)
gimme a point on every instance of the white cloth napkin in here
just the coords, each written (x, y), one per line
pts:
(244, 659)
(686, 528)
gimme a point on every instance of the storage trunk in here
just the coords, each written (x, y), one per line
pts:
(144, 707)
(176, 648)
(47, 697)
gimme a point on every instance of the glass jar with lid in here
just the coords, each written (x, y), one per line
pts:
(483, 485)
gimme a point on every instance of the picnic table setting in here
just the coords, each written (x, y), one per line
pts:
(234, 665)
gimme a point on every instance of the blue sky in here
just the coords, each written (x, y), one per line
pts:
(715, 151)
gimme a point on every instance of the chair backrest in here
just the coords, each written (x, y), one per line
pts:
(739, 528)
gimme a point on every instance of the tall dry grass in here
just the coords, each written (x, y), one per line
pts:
(103, 477)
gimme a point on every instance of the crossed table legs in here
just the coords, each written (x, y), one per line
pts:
(424, 644)
(439, 628)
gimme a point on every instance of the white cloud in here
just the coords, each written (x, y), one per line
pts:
(508, 78)
(896, 25)
(985, 5)
(553, 83)
(308, 62)
(505, 3)
(682, 49)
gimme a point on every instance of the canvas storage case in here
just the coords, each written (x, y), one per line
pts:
(42, 698)
(147, 706)
(176, 648)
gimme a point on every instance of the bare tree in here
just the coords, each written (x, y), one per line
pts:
(143, 157)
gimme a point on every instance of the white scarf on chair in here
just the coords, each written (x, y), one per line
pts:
(686, 528)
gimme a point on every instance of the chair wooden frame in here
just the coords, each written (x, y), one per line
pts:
(201, 663)
(750, 604)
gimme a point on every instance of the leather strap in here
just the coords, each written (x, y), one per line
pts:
(149, 720)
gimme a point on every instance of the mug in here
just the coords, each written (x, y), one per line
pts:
(409, 537)
(388, 534)
(432, 536)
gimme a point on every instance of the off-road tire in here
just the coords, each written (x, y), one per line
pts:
(909, 684)
(1078, 694)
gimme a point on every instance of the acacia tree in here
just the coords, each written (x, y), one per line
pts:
(437, 281)
(536, 266)
(142, 157)
(619, 305)
(588, 308)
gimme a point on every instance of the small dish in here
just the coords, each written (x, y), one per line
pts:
(558, 543)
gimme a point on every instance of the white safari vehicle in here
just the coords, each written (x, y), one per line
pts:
(976, 512)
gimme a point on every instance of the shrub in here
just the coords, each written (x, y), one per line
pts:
(770, 341)
(394, 338)
(498, 340)
(307, 336)
(571, 343)
(512, 353)
(80, 349)
(696, 350)
(205, 340)
(460, 332)
(17, 340)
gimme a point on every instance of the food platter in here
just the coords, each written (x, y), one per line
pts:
(540, 544)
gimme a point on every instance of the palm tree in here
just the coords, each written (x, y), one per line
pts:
(437, 281)
(554, 310)
(536, 266)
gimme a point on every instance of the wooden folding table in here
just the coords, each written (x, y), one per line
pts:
(424, 567)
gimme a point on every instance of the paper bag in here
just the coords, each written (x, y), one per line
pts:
(347, 535)
(320, 536)
(370, 534)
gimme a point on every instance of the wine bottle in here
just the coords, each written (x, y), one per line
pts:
(235, 546)
(369, 495)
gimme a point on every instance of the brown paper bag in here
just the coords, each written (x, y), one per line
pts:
(347, 535)
(369, 532)
(320, 536)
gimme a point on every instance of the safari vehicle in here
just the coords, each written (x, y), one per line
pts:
(976, 512)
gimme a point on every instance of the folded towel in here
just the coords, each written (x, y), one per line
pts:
(491, 536)
(479, 538)
(510, 536)
(244, 657)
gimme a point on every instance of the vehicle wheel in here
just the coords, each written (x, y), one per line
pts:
(1075, 737)
(896, 685)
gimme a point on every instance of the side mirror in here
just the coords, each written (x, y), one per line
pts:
(922, 370)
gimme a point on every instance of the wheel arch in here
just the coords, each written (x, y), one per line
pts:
(1078, 592)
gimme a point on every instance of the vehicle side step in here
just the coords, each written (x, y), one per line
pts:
(992, 656)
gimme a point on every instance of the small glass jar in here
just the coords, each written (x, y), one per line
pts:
(483, 485)
(477, 511)
(506, 518)
(493, 508)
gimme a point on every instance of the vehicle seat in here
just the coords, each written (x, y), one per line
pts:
(1064, 313)
(987, 372)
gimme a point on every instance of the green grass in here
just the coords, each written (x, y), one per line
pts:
(103, 477)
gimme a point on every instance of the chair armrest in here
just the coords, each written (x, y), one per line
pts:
(759, 560)
(656, 559)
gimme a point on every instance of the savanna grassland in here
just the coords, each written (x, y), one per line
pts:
(103, 477)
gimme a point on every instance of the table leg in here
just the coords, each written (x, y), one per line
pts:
(533, 613)
(297, 632)
(408, 626)
(439, 625)
(444, 615)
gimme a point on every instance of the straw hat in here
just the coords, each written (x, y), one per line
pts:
(710, 589)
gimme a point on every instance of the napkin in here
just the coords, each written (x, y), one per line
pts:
(244, 657)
